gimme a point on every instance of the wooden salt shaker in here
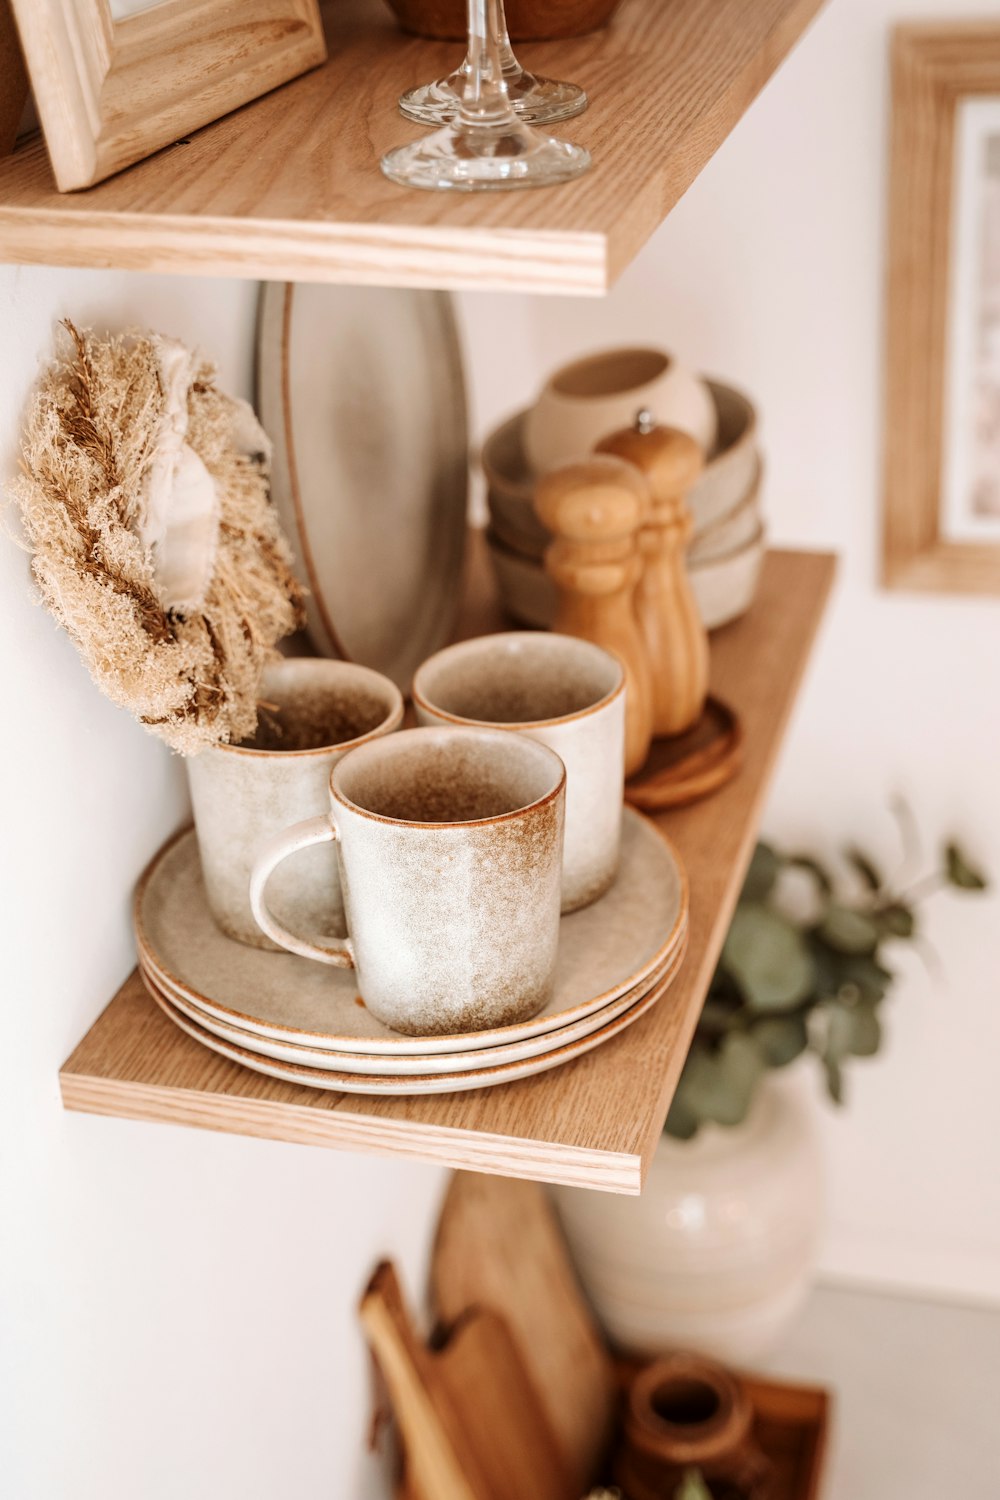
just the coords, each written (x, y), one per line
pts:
(594, 511)
(676, 640)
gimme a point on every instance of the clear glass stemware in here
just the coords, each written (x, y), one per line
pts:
(486, 144)
(539, 101)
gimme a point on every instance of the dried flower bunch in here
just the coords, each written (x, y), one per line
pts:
(144, 498)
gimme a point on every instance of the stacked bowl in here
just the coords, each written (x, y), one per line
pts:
(727, 545)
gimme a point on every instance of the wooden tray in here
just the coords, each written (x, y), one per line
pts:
(792, 1425)
(690, 766)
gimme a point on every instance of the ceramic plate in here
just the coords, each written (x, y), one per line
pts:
(362, 392)
(450, 1083)
(398, 1067)
(604, 950)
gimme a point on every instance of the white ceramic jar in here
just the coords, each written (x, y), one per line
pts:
(719, 1250)
(593, 397)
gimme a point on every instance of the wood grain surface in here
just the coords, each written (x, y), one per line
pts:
(933, 68)
(594, 1122)
(470, 1420)
(499, 1246)
(111, 92)
(289, 188)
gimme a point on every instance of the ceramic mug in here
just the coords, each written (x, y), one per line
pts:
(313, 712)
(450, 847)
(565, 693)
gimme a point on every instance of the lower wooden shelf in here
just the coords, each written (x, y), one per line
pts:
(593, 1123)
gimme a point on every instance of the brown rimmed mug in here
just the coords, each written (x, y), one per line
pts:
(312, 712)
(450, 844)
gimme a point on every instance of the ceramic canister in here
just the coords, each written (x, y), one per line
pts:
(590, 398)
(312, 711)
(564, 693)
(450, 852)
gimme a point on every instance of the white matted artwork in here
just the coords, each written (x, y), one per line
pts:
(970, 510)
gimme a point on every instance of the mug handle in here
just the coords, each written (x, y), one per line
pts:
(303, 835)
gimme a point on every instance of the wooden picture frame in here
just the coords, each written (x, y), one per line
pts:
(110, 92)
(935, 70)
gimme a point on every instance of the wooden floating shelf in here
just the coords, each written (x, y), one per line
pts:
(289, 187)
(593, 1122)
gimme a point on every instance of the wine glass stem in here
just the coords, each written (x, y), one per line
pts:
(484, 95)
(509, 65)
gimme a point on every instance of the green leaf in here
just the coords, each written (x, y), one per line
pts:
(848, 930)
(866, 1031)
(813, 868)
(692, 1487)
(720, 1085)
(834, 1079)
(741, 1067)
(762, 874)
(682, 1121)
(719, 1016)
(897, 920)
(781, 1039)
(872, 980)
(865, 867)
(961, 872)
(768, 957)
(839, 1030)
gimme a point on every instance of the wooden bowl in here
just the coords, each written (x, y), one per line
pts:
(527, 20)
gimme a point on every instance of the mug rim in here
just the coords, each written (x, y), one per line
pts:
(341, 798)
(393, 718)
(463, 721)
(555, 386)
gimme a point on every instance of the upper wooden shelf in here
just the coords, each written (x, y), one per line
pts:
(289, 187)
(593, 1122)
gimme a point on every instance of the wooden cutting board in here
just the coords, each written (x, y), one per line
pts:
(500, 1248)
(471, 1424)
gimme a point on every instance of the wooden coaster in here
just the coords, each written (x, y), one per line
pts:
(692, 765)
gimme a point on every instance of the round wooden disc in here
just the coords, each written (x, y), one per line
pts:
(692, 765)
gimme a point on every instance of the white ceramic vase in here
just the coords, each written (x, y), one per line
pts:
(719, 1250)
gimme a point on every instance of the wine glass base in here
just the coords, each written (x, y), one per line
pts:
(538, 101)
(473, 158)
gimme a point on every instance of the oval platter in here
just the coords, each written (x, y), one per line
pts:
(362, 392)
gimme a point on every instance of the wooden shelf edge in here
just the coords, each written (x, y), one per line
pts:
(710, 956)
(511, 260)
(90, 1094)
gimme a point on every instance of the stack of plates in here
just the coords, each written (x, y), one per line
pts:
(727, 545)
(305, 1022)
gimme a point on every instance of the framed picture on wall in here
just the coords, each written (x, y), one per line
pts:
(942, 443)
(115, 80)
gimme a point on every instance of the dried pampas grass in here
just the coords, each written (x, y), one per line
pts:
(191, 676)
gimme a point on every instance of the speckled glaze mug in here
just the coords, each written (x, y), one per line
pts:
(313, 711)
(564, 693)
(450, 848)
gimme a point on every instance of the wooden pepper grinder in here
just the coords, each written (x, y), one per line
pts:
(671, 626)
(594, 511)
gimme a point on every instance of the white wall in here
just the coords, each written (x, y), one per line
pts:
(770, 272)
(176, 1307)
